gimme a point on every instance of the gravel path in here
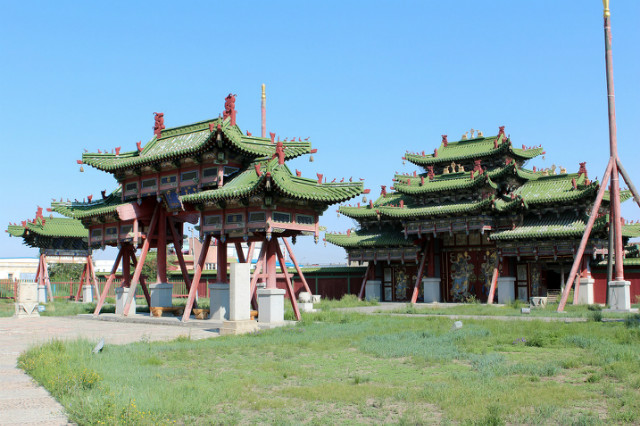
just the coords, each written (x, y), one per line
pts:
(22, 401)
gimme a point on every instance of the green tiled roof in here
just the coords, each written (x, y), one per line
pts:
(473, 149)
(450, 182)
(385, 210)
(52, 232)
(79, 210)
(187, 140)
(248, 182)
(555, 189)
(631, 230)
(361, 239)
(549, 227)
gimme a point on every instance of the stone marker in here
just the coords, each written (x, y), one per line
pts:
(240, 321)
(525, 310)
(457, 325)
(121, 299)
(27, 303)
(161, 295)
(271, 306)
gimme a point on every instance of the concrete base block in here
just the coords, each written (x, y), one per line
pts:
(271, 305)
(585, 294)
(620, 296)
(506, 289)
(121, 299)
(219, 301)
(316, 298)
(161, 295)
(27, 304)
(373, 290)
(42, 294)
(304, 297)
(431, 287)
(238, 327)
(306, 307)
(87, 294)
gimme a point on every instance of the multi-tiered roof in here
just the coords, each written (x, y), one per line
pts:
(477, 184)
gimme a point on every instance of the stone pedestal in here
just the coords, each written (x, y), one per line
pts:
(27, 302)
(585, 294)
(161, 295)
(87, 294)
(219, 301)
(122, 293)
(306, 307)
(431, 287)
(316, 298)
(373, 290)
(506, 289)
(42, 294)
(271, 306)
(620, 295)
(240, 321)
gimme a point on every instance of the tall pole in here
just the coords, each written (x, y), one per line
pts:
(263, 109)
(613, 148)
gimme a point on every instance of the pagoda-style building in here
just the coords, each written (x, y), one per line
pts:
(475, 223)
(235, 185)
(56, 236)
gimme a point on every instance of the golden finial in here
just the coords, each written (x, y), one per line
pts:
(263, 95)
(605, 3)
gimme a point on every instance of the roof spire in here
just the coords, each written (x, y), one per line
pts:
(263, 110)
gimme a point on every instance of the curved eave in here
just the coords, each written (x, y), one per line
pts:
(461, 150)
(551, 228)
(244, 185)
(369, 240)
(188, 140)
(310, 190)
(437, 185)
(435, 211)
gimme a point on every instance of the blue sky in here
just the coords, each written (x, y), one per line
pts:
(366, 81)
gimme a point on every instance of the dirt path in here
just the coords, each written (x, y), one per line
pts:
(22, 401)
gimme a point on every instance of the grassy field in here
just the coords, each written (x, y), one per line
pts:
(512, 309)
(337, 367)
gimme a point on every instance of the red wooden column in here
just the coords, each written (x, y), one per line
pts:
(297, 266)
(112, 276)
(128, 253)
(47, 281)
(196, 278)
(416, 287)
(162, 246)
(143, 256)
(290, 289)
(143, 284)
(240, 252)
(365, 279)
(270, 262)
(177, 245)
(221, 266)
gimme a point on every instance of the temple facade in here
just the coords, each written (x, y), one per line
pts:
(476, 224)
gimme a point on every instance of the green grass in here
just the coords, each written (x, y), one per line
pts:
(339, 367)
(7, 307)
(591, 312)
(347, 301)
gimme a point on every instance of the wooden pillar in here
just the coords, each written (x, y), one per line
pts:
(270, 262)
(177, 245)
(196, 277)
(143, 284)
(287, 279)
(143, 256)
(364, 280)
(416, 286)
(221, 266)
(112, 276)
(240, 253)
(128, 253)
(162, 246)
(297, 266)
(431, 262)
(47, 281)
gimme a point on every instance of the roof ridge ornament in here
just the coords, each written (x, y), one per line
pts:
(230, 108)
(445, 142)
(158, 125)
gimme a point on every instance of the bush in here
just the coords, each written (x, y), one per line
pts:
(595, 315)
(632, 321)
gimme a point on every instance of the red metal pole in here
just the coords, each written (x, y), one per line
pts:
(196, 278)
(290, 289)
(416, 286)
(112, 276)
(364, 280)
(143, 256)
(295, 263)
(263, 109)
(585, 236)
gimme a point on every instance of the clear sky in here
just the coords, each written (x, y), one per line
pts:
(365, 80)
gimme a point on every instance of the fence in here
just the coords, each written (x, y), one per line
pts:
(68, 289)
